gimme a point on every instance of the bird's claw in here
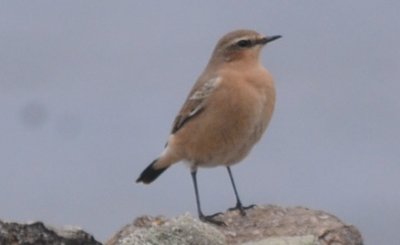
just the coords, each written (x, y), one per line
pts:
(241, 208)
(211, 219)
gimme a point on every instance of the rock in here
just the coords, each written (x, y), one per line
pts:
(263, 225)
(288, 240)
(159, 230)
(38, 233)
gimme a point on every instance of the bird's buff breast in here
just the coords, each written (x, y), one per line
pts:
(226, 136)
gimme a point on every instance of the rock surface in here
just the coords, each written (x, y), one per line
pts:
(263, 225)
(38, 233)
(158, 230)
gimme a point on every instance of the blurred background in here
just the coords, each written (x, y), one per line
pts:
(89, 90)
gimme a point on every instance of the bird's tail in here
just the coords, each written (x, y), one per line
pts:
(151, 173)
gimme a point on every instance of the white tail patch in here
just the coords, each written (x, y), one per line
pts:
(167, 148)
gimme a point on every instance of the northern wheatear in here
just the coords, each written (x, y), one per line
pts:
(225, 113)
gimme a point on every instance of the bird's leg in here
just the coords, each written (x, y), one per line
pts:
(239, 205)
(202, 217)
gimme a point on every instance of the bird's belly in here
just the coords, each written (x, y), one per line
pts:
(226, 135)
(224, 143)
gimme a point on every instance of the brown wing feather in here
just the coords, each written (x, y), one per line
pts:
(187, 113)
(195, 103)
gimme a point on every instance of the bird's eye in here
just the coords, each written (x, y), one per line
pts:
(244, 43)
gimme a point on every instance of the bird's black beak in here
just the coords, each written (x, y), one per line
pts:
(266, 40)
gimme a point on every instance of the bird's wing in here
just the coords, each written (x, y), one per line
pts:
(195, 103)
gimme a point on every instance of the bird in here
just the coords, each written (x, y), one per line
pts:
(224, 115)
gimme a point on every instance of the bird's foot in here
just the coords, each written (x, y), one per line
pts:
(211, 219)
(241, 208)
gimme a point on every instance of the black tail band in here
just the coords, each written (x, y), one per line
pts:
(150, 174)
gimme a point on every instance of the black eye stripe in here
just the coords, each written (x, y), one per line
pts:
(244, 43)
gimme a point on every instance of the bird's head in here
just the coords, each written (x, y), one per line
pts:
(240, 45)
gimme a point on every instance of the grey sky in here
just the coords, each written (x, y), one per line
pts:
(89, 89)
